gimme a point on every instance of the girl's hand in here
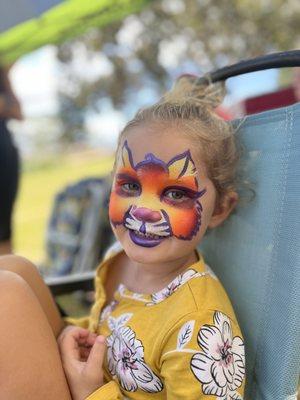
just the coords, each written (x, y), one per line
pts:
(82, 354)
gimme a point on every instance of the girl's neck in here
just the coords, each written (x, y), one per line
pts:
(149, 278)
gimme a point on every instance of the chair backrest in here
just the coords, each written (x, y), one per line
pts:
(78, 228)
(256, 254)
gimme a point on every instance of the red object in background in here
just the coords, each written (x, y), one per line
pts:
(280, 98)
(224, 113)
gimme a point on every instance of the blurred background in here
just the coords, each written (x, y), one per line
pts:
(79, 80)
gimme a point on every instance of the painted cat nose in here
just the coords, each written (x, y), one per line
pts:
(146, 215)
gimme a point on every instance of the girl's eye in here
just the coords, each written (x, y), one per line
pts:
(175, 195)
(131, 188)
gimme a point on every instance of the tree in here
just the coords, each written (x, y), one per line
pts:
(170, 37)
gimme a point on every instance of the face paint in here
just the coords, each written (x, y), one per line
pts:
(155, 200)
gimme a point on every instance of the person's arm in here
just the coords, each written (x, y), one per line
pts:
(9, 104)
(203, 358)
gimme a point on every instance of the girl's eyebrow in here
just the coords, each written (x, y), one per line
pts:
(194, 185)
(124, 176)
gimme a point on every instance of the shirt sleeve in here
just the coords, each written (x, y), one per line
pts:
(203, 357)
(82, 322)
(109, 391)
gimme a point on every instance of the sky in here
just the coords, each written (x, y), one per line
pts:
(36, 78)
(249, 85)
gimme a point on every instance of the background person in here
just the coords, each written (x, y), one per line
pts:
(9, 160)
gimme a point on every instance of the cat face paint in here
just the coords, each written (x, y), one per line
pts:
(155, 200)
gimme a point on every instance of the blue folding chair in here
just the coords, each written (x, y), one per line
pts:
(256, 254)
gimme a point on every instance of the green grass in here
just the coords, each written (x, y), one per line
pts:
(40, 181)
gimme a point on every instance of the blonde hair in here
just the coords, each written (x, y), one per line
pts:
(193, 105)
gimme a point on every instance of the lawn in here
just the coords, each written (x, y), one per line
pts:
(40, 181)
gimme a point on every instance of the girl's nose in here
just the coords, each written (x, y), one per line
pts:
(146, 215)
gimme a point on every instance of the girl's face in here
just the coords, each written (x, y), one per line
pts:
(162, 200)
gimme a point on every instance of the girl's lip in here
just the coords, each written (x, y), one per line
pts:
(143, 241)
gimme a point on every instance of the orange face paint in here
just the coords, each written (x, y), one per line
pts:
(154, 199)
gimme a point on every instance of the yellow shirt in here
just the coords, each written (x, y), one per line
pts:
(182, 342)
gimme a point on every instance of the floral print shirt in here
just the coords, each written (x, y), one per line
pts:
(182, 342)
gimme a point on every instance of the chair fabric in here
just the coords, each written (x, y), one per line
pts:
(256, 254)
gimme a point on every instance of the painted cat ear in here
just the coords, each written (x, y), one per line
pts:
(182, 165)
(127, 156)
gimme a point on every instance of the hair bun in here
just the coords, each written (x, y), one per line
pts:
(187, 89)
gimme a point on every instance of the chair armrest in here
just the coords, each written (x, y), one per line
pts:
(70, 283)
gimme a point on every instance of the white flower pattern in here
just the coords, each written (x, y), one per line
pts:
(105, 313)
(221, 366)
(125, 357)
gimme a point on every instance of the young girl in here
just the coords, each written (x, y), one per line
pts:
(162, 325)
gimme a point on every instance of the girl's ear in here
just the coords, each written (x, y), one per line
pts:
(223, 209)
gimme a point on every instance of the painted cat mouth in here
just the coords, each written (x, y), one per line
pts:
(145, 239)
(147, 235)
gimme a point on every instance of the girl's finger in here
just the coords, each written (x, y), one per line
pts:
(87, 340)
(69, 344)
(95, 360)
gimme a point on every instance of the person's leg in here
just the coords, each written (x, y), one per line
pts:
(5, 247)
(30, 363)
(30, 274)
